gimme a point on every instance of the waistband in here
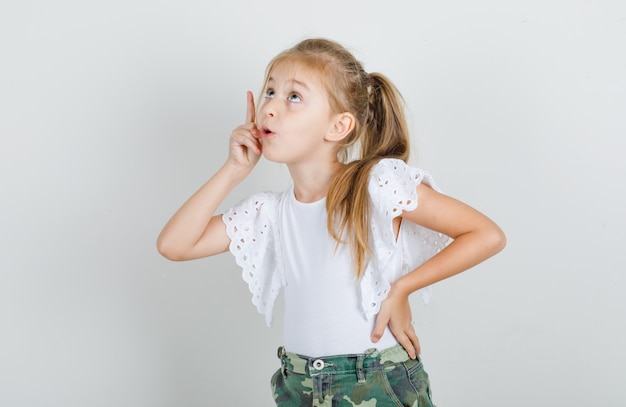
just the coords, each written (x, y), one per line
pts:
(371, 358)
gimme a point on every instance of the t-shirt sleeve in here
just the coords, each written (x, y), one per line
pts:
(392, 187)
(250, 225)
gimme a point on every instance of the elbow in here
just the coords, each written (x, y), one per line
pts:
(496, 240)
(168, 250)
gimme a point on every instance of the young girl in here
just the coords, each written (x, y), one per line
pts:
(350, 239)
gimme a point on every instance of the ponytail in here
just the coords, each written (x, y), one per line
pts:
(383, 134)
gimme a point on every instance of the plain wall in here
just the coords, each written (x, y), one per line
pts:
(112, 113)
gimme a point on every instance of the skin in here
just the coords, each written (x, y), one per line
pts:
(296, 126)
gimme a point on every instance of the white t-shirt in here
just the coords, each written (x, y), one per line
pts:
(283, 243)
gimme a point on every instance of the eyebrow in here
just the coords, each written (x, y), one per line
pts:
(295, 81)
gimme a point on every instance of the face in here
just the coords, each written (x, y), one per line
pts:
(294, 117)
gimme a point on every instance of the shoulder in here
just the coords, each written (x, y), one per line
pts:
(256, 203)
(258, 210)
(393, 170)
(393, 184)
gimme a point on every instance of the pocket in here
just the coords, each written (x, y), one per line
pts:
(419, 379)
(409, 383)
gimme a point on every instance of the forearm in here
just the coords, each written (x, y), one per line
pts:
(189, 225)
(464, 252)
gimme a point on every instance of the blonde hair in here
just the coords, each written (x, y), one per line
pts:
(380, 132)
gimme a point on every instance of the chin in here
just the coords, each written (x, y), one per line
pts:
(269, 157)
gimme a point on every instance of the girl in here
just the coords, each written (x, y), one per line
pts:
(354, 235)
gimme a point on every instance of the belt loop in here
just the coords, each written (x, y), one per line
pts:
(281, 355)
(359, 368)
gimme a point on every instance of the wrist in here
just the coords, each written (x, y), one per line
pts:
(400, 288)
(234, 173)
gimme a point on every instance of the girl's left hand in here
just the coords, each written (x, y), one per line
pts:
(395, 312)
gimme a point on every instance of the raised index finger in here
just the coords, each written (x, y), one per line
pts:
(250, 112)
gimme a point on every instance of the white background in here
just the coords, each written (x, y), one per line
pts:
(113, 112)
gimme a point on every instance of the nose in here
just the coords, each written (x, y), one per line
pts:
(269, 108)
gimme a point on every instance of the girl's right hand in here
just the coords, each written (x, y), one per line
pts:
(196, 230)
(244, 146)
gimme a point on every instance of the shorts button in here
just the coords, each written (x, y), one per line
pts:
(318, 364)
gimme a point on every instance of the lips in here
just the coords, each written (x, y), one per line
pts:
(266, 132)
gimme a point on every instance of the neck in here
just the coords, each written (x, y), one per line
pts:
(311, 181)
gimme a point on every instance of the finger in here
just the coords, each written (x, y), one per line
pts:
(256, 135)
(246, 140)
(250, 144)
(407, 345)
(379, 328)
(250, 111)
(415, 342)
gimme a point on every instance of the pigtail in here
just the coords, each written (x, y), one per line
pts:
(382, 134)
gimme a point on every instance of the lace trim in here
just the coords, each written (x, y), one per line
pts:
(255, 247)
(392, 190)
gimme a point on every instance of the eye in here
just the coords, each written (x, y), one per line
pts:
(269, 94)
(294, 97)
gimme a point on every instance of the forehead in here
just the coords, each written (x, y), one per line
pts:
(295, 72)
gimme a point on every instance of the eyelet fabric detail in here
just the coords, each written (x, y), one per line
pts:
(254, 242)
(392, 187)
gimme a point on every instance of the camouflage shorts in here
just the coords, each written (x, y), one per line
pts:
(372, 379)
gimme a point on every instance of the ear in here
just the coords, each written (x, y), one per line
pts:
(342, 125)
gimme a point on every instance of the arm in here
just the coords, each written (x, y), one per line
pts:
(476, 238)
(195, 231)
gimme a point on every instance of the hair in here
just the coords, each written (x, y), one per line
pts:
(380, 131)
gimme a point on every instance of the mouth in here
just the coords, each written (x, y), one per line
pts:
(266, 132)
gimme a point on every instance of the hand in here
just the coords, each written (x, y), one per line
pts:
(395, 312)
(244, 146)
